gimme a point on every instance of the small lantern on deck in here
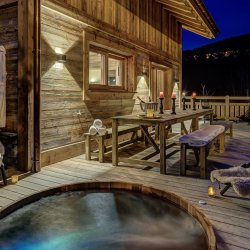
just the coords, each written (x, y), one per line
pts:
(211, 191)
(14, 179)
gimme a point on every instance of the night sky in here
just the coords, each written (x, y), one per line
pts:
(231, 16)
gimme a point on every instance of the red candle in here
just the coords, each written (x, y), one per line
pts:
(193, 95)
(173, 95)
(161, 95)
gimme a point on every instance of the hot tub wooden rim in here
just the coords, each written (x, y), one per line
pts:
(118, 185)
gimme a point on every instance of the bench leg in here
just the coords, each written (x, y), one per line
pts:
(231, 131)
(115, 142)
(222, 142)
(183, 159)
(3, 175)
(101, 148)
(87, 148)
(224, 190)
(203, 161)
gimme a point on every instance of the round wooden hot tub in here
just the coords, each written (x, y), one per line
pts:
(105, 215)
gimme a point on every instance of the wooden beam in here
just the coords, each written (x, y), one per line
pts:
(177, 5)
(7, 3)
(37, 85)
(202, 33)
(54, 155)
(188, 14)
(25, 84)
(181, 13)
(199, 8)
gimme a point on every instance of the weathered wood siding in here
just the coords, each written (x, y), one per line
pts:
(8, 38)
(143, 27)
(143, 21)
(62, 89)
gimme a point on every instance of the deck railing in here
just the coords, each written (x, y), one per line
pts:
(225, 107)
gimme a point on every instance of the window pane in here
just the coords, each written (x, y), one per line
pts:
(115, 72)
(95, 68)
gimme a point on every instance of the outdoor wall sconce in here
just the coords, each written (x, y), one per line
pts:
(60, 58)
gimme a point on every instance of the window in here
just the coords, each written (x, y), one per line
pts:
(95, 68)
(106, 69)
(115, 68)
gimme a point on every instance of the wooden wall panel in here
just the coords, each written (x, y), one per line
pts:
(62, 88)
(138, 25)
(145, 21)
(8, 38)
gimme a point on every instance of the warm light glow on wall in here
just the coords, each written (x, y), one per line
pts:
(58, 65)
(58, 50)
(76, 19)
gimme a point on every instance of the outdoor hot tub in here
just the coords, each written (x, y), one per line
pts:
(97, 218)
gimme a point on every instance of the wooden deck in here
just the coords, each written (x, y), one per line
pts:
(229, 215)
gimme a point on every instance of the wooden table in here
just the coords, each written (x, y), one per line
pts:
(163, 124)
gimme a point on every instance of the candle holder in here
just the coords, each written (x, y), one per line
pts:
(173, 106)
(194, 106)
(14, 179)
(211, 191)
(161, 105)
(183, 103)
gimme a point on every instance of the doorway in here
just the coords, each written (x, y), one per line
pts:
(160, 81)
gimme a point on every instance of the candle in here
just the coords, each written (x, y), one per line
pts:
(211, 191)
(150, 113)
(173, 95)
(193, 95)
(14, 179)
(161, 95)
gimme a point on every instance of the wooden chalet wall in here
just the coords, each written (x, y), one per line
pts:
(17, 26)
(145, 23)
(9, 39)
(141, 27)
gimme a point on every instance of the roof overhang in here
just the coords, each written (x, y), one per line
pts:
(193, 16)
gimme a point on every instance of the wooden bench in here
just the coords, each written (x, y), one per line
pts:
(228, 125)
(201, 141)
(122, 130)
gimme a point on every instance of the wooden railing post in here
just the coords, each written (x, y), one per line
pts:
(191, 103)
(227, 103)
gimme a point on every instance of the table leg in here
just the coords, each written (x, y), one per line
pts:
(195, 124)
(114, 142)
(144, 129)
(183, 129)
(163, 164)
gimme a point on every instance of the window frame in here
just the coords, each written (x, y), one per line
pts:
(113, 46)
(104, 70)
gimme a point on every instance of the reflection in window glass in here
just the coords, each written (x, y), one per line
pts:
(114, 72)
(95, 68)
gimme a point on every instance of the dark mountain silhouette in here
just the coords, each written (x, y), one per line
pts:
(222, 67)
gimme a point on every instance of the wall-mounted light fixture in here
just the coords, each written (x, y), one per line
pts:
(61, 58)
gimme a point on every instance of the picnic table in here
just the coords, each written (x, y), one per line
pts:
(163, 124)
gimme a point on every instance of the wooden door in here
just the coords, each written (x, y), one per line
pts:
(158, 82)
